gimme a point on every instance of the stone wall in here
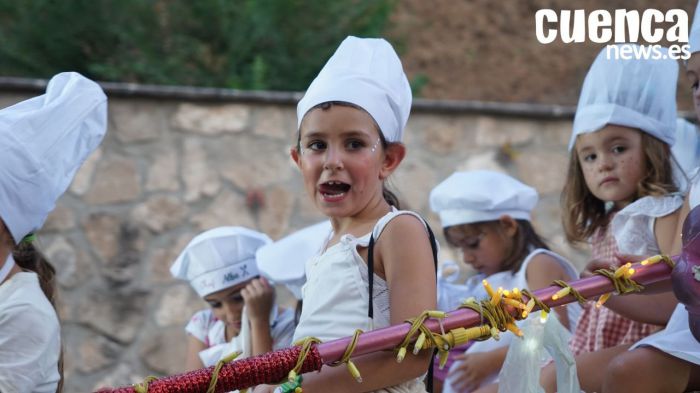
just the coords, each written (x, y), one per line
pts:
(176, 162)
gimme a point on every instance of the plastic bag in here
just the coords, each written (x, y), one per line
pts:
(526, 356)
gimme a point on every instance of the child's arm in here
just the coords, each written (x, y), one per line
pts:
(194, 346)
(259, 297)
(655, 305)
(541, 272)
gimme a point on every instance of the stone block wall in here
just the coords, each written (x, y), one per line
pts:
(177, 162)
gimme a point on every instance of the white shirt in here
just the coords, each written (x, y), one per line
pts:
(29, 337)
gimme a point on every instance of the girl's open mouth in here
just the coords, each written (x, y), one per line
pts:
(333, 190)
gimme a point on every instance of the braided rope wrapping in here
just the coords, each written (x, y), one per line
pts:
(240, 374)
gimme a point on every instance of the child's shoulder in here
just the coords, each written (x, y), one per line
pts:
(545, 266)
(398, 223)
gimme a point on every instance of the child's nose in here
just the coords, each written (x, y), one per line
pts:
(333, 160)
(606, 162)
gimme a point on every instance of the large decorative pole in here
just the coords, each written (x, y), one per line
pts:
(274, 367)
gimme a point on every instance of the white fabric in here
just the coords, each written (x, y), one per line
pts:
(694, 37)
(365, 72)
(6, 268)
(694, 193)
(676, 339)
(43, 142)
(29, 337)
(211, 331)
(219, 258)
(507, 280)
(632, 93)
(633, 226)
(283, 261)
(336, 295)
(475, 196)
(686, 151)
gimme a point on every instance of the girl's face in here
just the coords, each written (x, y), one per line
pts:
(692, 72)
(483, 247)
(227, 305)
(342, 160)
(612, 161)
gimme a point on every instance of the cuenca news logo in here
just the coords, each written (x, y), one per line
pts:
(624, 27)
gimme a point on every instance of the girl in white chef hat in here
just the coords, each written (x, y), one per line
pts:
(486, 215)
(43, 142)
(220, 265)
(620, 196)
(377, 267)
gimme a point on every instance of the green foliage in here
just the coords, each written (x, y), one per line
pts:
(243, 44)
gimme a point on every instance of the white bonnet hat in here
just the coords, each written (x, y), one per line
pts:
(694, 37)
(365, 72)
(43, 142)
(477, 196)
(284, 261)
(636, 93)
(219, 258)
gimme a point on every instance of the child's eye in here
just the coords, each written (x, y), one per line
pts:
(236, 298)
(589, 157)
(214, 304)
(316, 145)
(694, 86)
(618, 149)
(354, 145)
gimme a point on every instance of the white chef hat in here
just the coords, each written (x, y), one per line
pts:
(694, 37)
(636, 93)
(219, 258)
(43, 142)
(284, 260)
(365, 72)
(476, 196)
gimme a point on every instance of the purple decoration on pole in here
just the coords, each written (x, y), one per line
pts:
(686, 274)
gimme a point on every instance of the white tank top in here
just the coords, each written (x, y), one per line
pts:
(336, 294)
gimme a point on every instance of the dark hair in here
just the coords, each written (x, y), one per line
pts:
(29, 257)
(524, 240)
(388, 195)
(584, 213)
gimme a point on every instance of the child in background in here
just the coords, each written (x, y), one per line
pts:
(621, 197)
(43, 142)
(487, 216)
(669, 360)
(283, 261)
(220, 265)
(377, 267)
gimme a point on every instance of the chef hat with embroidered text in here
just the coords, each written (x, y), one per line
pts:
(219, 258)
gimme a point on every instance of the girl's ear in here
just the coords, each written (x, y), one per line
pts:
(509, 225)
(296, 156)
(393, 155)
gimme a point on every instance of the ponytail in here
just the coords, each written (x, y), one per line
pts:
(28, 257)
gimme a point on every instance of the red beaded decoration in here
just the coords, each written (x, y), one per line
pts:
(268, 368)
